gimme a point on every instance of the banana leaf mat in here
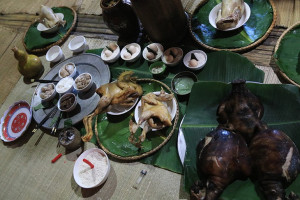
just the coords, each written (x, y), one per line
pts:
(287, 54)
(221, 66)
(200, 119)
(36, 41)
(254, 31)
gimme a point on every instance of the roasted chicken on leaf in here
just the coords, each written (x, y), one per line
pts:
(276, 163)
(241, 111)
(123, 92)
(223, 157)
(154, 113)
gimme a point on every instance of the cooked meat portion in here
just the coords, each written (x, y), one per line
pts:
(241, 111)
(223, 158)
(276, 162)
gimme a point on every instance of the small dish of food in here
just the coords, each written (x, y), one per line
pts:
(46, 92)
(54, 54)
(65, 85)
(77, 44)
(131, 52)
(195, 60)
(66, 70)
(70, 138)
(157, 68)
(110, 53)
(171, 107)
(222, 17)
(83, 82)
(91, 168)
(67, 102)
(183, 82)
(50, 22)
(153, 52)
(172, 56)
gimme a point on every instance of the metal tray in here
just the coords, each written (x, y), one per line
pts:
(87, 101)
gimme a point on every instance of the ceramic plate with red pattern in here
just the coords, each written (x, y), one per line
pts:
(15, 121)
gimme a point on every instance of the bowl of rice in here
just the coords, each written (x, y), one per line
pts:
(87, 176)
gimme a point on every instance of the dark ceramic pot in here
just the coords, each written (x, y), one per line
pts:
(120, 18)
(163, 20)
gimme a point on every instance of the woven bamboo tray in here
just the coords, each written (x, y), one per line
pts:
(276, 48)
(41, 50)
(133, 158)
(234, 49)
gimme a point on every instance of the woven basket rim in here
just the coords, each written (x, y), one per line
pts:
(276, 48)
(133, 158)
(40, 50)
(250, 46)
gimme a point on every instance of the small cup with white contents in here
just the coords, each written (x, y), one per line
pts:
(131, 52)
(195, 60)
(68, 69)
(110, 53)
(65, 85)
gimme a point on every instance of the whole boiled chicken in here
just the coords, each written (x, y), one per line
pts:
(276, 163)
(241, 111)
(223, 158)
(230, 14)
(48, 17)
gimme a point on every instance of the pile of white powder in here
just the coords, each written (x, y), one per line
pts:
(90, 177)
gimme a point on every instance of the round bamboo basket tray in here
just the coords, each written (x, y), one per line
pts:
(137, 157)
(252, 45)
(41, 50)
(276, 48)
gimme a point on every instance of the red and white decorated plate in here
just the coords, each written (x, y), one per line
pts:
(15, 121)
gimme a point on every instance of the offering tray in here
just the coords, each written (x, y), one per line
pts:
(254, 31)
(287, 54)
(112, 133)
(87, 101)
(201, 119)
(35, 41)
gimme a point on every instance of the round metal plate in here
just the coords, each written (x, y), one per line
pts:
(87, 101)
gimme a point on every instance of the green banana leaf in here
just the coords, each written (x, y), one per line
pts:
(288, 54)
(35, 39)
(221, 66)
(281, 103)
(255, 28)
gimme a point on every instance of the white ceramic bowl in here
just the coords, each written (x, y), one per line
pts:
(65, 85)
(200, 55)
(171, 106)
(214, 13)
(159, 52)
(72, 74)
(63, 97)
(41, 27)
(88, 86)
(40, 91)
(134, 56)
(54, 54)
(113, 58)
(77, 44)
(177, 58)
(79, 161)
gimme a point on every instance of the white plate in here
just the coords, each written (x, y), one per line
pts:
(171, 106)
(41, 27)
(15, 121)
(181, 144)
(79, 160)
(214, 13)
